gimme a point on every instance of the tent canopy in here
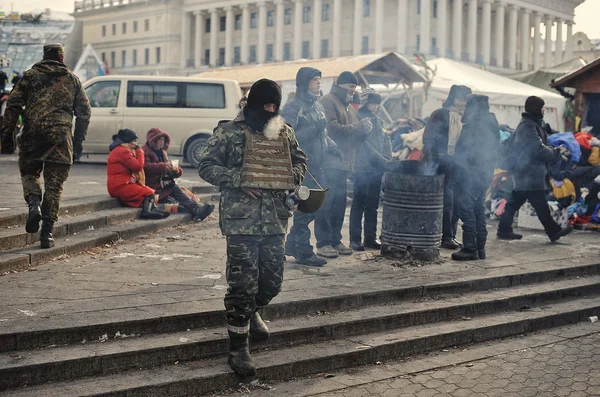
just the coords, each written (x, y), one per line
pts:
(500, 89)
(386, 68)
(544, 77)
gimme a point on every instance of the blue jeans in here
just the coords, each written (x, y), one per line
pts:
(365, 201)
(298, 240)
(328, 228)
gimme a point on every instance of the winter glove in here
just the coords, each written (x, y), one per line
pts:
(321, 124)
(77, 150)
(8, 144)
(565, 153)
(367, 125)
(336, 152)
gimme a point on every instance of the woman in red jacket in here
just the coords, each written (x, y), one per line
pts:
(161, 174)
(125, 171)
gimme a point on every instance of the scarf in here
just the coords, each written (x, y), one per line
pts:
(454, 128)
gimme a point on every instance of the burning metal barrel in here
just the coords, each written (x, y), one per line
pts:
(413, 204)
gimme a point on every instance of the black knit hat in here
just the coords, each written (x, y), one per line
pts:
(534, 105)
(347, 78)
(262, 92)
(125, 135)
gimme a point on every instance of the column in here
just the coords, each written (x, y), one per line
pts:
(486, 27)
(457, 10)
(512, 37)
(558, 50)
(245, 50)
(337, 26)
(499, 42)
(379, 21)
(525, 38)
(261, 51)
(425, 30)
(185, 38)
(357, 31)
(317, 10)
(442, 27)
(229, 27)
(198, 40)
(472, 31)
(548, 42)
(279, 20)
(569, 49)
(214, 29)
(298, 4)
(537, 40)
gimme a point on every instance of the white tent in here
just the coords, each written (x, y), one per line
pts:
(507, 96)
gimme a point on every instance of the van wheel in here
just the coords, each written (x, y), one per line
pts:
(194, 150)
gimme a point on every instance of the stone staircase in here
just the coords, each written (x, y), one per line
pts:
(182, 352)
(84, 223)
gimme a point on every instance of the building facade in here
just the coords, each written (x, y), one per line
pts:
(194, 34)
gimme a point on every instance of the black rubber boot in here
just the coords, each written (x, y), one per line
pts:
(481, 248)
(201, 212)
(258, 329)
(46, 239)
(469, 251)
(35, 214)
(240, 359)
(149, 211)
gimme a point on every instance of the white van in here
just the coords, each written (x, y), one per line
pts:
(187, 108)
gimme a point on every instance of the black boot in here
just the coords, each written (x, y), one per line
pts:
(35, 214)
(201, 212)
(481, 247)
(240, 359)
(46, 239)
(508, 235)
(149, 211)
(469, 251)
(258, 329)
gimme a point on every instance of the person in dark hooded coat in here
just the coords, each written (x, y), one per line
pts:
(439, 141)
(475, 158)
(530, 172)
(307, 117)
(369, 167)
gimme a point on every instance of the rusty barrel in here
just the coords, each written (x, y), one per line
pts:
(413, 203)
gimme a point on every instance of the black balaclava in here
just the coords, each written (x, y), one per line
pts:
(534, 106)
(262, 92)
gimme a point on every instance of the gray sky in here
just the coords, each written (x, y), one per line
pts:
(586, 15)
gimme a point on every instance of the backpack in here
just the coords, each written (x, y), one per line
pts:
(508, 156)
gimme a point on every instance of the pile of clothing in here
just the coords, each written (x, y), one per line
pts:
(407, 139)
(576, 182)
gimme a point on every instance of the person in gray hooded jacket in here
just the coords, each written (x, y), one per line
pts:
(307, 117)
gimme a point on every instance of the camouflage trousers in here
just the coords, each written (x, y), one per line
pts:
(55, 175)
(254, 274)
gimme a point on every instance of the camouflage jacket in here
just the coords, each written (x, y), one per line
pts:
(221, 165)
(48, 96)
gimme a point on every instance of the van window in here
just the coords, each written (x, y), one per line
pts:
(204, 95)
(104, 94)
(150, 94)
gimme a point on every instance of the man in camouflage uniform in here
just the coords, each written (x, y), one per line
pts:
(256, 161)
(48, 96)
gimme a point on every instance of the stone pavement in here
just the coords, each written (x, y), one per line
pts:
(557, 362)
(182, 269)
(86, 179)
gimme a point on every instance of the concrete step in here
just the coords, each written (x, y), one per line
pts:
(69, 244)
(16, 237)
(186, 378)
(131, 352)
(35, 333)
(73, 207)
